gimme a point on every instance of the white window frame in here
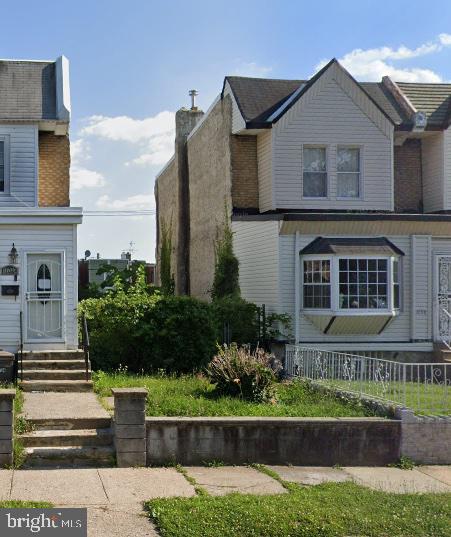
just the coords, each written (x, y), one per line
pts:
(5, 139)
(326, 148)
(337, 173)
(335, 287)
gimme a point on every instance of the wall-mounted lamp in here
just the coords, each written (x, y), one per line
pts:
(13, 255)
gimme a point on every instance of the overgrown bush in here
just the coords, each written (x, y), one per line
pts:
(226, 276)
(148, 332)
(238, 372)
(235, 320)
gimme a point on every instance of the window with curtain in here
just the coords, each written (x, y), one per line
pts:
(314, 172)
(317, 284)
(2, 166)
(348, 172)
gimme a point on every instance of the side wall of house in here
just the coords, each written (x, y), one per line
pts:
(256, 245)
(331, 113)
(244, 172)
(210, 180)
(20, 165)
(433, 172)
(166, 195)
(54, 165)
(42, 239)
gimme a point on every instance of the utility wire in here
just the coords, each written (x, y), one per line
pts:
(130, 212)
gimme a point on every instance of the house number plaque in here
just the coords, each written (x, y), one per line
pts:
(9, 270)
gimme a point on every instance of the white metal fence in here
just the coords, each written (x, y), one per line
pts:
(423, 387)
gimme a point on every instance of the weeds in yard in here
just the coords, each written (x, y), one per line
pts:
(200, 491)
(213, 464)
(404, 463)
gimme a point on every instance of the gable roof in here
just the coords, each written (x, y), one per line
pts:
(263, 101)
(28, 90)
(258, 98)
(354, 245)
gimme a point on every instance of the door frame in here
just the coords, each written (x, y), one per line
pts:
(24, 281)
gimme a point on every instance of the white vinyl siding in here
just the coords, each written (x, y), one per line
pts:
(238, 123)
(421, 261)
(21, 154)
(447, 168)
(432, 156)
(264, 160)
(38, 238)
(326, 115)
(256, 247)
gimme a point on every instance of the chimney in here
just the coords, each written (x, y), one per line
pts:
(185, 121)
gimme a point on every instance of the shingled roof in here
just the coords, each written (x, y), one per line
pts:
(27, 90)
(259, 98)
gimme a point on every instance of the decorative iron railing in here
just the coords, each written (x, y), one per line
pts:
(445, 327)
(423, 387)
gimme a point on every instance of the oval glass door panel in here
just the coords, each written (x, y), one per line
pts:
(44, 297)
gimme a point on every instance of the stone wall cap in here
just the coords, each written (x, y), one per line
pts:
(129, 392)
(258, 420)
(6, 355)
(7, 393)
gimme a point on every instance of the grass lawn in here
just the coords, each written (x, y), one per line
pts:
(421, 397)
(16, 504)
(194, 396)
(332, 509)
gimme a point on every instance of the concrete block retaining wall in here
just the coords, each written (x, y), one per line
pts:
(300, 441)
(6, 427)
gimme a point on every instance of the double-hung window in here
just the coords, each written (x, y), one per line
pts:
(2, 166)
(348, 172)
(314, 172)
(343, 284)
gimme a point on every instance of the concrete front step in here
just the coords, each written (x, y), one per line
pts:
(54, 364)
(69, 457)
(55, 374)
(76, 354)
(74, 437)
(56, 386)
(69, 424)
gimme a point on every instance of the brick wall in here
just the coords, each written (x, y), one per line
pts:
(244, 171)
(54, 164)
(425, 439)
(408, 180)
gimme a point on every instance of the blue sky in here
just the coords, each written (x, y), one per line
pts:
(133, 63)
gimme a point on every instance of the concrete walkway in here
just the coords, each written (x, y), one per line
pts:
(60, 406)
(114, 496)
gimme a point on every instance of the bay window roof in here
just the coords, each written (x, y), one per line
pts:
(351, 246)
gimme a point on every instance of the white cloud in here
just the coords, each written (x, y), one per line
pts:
(82, 177)
(136, 202)
(251, 69)
(373, 64)
(153, 135)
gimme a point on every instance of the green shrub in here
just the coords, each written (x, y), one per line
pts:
(238, 372)
(226, 276)
(241, 318)
(148, 332)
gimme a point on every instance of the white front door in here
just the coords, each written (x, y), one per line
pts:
(443, 298)
(44, 297)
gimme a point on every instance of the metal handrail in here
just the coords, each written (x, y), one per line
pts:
(85, 343)
(21, 345)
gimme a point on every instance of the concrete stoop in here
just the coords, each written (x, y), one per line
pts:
(55, 371)
(69, 443)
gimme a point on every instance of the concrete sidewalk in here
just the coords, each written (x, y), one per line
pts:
(114, 496)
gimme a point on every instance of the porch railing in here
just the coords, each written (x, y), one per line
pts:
(423, 387)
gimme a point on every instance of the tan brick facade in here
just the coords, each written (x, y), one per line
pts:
(244, 172)
(54, 165)
(408, 183)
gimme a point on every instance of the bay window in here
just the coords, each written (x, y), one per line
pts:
(343, 284)
(314, 172)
